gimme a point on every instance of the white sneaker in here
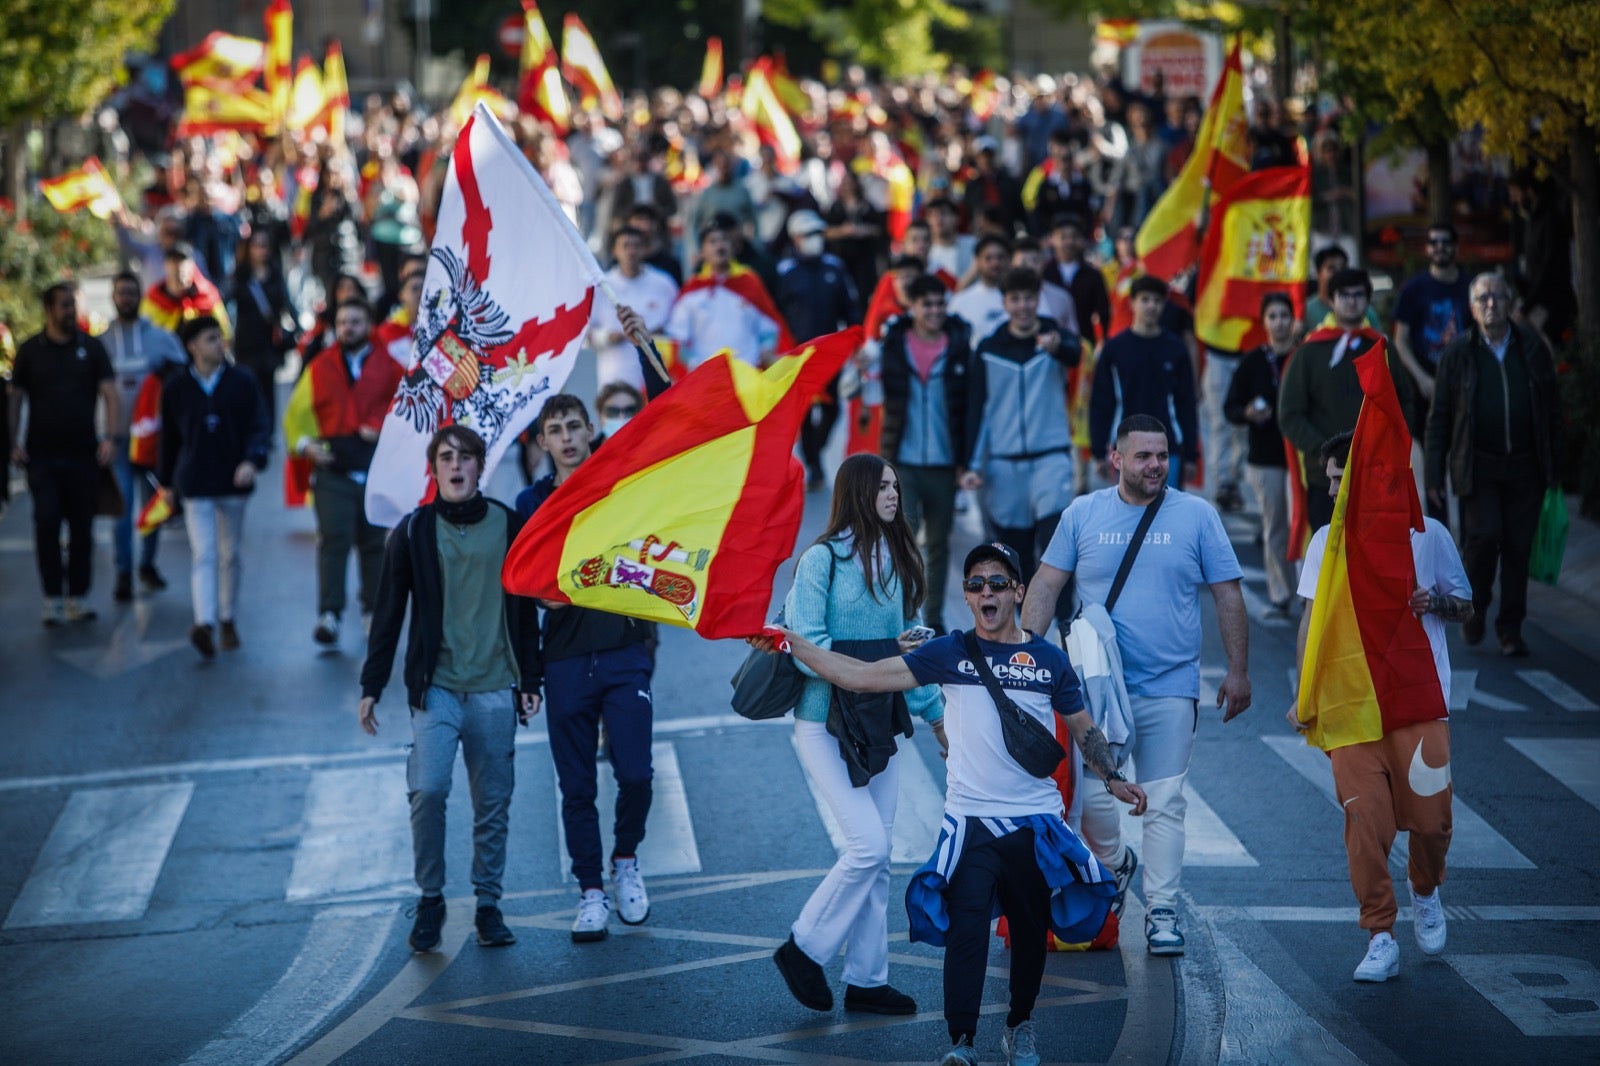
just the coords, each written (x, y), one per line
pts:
(594, 911)
(1382, 961)
(1019, 1046)
(633, 902)
(1161, 933)
(55, 612)
(327, 631)
(76, 611)
(1427, 917)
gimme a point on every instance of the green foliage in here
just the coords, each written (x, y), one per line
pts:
(895, 37)
(39, 248)
(1580, 391)
(60, 57)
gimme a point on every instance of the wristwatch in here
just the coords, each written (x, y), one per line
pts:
(1115, 775)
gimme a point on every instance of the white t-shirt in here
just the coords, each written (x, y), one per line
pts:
(651, 294)
(983, 307)
(1439, 570)
(952, 258)
(708, 319)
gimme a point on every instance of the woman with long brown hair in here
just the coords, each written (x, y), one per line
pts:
(857, 590)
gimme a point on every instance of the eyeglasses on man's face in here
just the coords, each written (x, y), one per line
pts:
(627, 411)
(995, 582)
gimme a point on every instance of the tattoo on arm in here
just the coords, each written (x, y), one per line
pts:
(1097, 752)
(1450, 608)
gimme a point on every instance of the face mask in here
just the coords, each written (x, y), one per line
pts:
(810, 244)
(609, 426)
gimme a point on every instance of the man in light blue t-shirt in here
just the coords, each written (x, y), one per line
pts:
(1157, 620)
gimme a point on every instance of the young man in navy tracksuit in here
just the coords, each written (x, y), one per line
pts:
(597, 668)
(215, 437)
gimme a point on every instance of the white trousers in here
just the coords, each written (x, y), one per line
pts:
(851, 906)
(1164, 730)
(1271, 486)
(216, 530)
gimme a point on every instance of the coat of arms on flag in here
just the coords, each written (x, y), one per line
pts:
(505, 305)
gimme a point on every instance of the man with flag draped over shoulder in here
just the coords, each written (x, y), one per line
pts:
(1374, 668)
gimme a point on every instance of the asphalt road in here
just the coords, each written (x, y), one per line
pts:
(208, 863)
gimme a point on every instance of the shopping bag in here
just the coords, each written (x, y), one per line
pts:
(1550, 540)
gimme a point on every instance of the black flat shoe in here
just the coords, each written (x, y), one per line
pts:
(804, 976)
(883, 999)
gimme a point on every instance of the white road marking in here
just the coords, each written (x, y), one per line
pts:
(1343, 915)
(918, 812)
(356, 836)
(1575, 763)
(1527, 989)
(1207, 839)
(308, 761)
(1557, 691)
(127, 651)
(340, 949)
(1474, 843)
(669, 846)
(1262, 1023)
(103, 856)
(1464, 690)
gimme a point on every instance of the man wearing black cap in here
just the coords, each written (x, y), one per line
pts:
(1320, 396)
(1003, 840)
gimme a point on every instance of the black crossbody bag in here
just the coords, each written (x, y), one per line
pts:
(1034, 747)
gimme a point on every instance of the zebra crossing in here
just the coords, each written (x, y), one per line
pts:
(108, 846)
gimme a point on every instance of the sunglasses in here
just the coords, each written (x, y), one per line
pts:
(1441, 242)
(619, 412)
(995, 582)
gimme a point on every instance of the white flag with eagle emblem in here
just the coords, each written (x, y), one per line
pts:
(505, 306)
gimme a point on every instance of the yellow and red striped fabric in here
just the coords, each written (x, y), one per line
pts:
(688, 511)
(1368, 666)
(1258, 242)
(89, 186)
(585, 70)
(711, 69)
(540, 92)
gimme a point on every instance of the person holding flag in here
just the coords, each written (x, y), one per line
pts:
(1374, 668)
(215, 439)
(724, 306)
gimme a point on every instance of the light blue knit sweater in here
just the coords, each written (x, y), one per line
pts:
(847, 611)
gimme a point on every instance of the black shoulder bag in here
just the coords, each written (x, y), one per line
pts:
(1034, 747)
(768, 684)
(1145, 521)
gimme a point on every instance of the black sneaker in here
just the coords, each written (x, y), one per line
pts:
(430, 919)
(1472, 630)
(151, 578)
(200, 637)
(804, 976)
(123, 591)
(883, 999)
(492, 931)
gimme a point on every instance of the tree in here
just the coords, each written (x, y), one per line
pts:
(897, 38)
(61, 57)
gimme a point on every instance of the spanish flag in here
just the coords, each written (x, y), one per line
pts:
(1368, 666)
(88, 186)
(688, 512)
(309, 99)
(155, 513)
(774, 127)
(1169, 240)
(221, 57)
(278, 78)
(711, 69)
(984, 97)
(790, 94)
(213, 107)
(336, 91)
(890, 167)
(539, 89)
(1258, 242)
(582, 66)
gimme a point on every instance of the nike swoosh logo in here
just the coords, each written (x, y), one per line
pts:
(1427, 780)
(1349, 801)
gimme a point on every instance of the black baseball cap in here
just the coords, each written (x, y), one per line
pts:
(1003, 554)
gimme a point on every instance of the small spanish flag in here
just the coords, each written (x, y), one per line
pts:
(221, 57)
(585, 70)
(155, 513)
(1369, 668)
(686, 515)
(87, 187)
(711, 69)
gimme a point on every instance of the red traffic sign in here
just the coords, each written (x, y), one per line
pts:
(512, 31)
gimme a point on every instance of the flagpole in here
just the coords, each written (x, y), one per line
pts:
(570, 233)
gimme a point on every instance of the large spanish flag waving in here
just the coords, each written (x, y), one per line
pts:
(766, 112)
(1258, 242)
(277, 76)
(685, 515)
(1169, 240)
(582, 66)
(221, 57)
(1368, 666)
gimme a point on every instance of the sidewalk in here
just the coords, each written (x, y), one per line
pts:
(1569, 610)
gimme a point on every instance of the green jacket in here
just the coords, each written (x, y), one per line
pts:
(1317, 401)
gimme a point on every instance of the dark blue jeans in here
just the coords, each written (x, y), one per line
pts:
(581, 692)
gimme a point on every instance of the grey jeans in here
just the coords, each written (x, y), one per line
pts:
(928, 494)
(484, 724)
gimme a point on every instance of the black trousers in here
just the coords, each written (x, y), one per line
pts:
(63, 490)
(1003, 868)
(1499, 520)
(815, 430)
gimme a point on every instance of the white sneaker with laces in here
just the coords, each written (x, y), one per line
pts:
(1161, 933)
(327, 631)
(594, 911)
(1382, 961)
(1427, 917)
(55, 612)
(1019, 1045)
(633, 902)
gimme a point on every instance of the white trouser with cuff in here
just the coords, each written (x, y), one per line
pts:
(1163, 739)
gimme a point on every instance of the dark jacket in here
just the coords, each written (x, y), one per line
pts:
(866, 723)
(1258, 375)
(1144, 376)
(262, 336)
(895, 367)
(411, 570)
(205, 438)
(573, 631)
(1449, 440)
(816, 296)
(1317, 401)
(1089, 298)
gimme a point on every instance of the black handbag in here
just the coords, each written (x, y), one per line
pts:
(1034, 747)
(768, 684)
